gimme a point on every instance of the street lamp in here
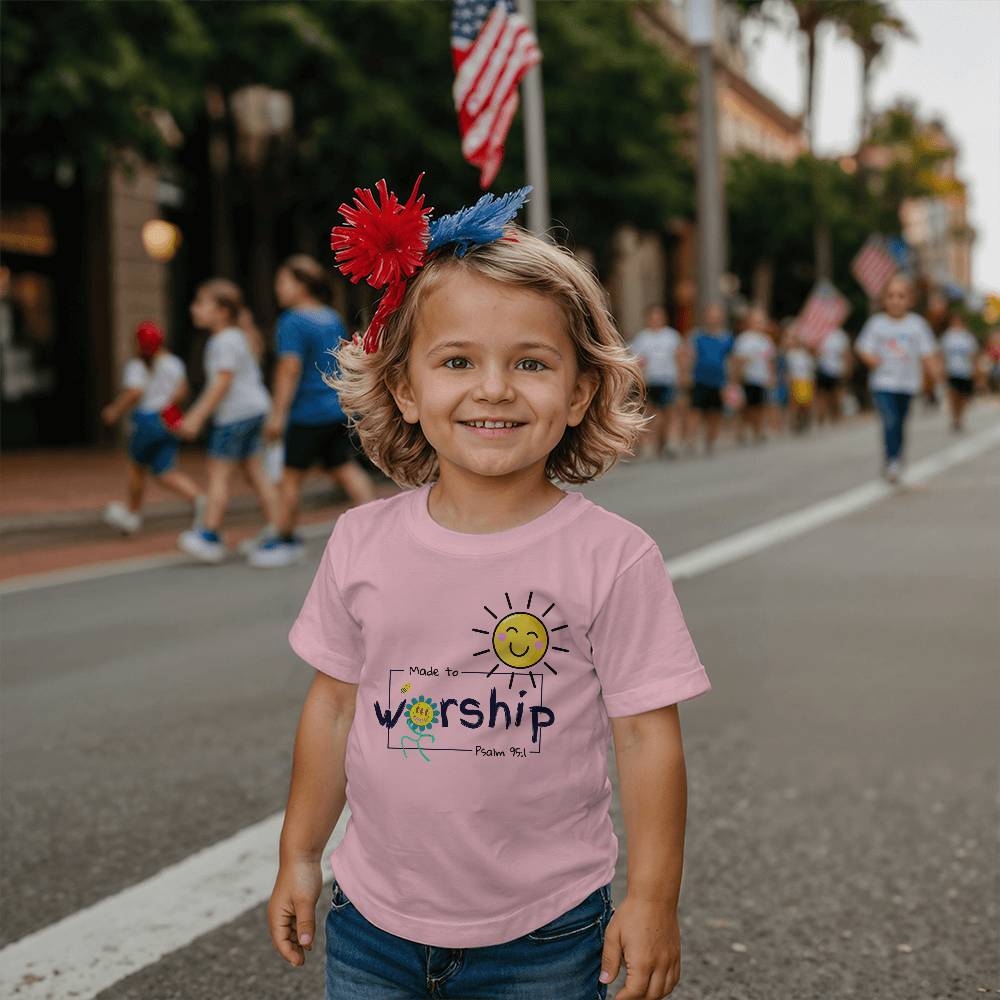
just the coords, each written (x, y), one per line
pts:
(263, 118)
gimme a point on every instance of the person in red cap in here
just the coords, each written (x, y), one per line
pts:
(153, 384)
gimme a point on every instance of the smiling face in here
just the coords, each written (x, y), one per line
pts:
(483, 351)
(520, 639)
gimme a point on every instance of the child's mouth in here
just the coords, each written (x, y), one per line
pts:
(491, 428)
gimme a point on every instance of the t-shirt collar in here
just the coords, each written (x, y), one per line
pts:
(427, 531)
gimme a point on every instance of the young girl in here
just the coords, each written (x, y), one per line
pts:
(898, 348)
(657, 349)
(961, 356)
(833, 366)
(152, 383)
(753, 359)
(478, 638)
(235, 396)
(801, 364)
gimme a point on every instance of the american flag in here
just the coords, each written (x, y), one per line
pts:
(825, 310)
(492, 47)
(874, 265)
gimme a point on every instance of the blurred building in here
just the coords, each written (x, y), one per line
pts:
(935, 227)
(80, 270)
(647, 271)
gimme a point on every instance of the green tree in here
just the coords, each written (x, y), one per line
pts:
(614, 104)
(83, 81)
(371, 87)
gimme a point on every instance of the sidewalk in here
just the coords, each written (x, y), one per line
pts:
(51, 505)
(70, 487)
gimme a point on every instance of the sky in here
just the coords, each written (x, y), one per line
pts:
(951, 69)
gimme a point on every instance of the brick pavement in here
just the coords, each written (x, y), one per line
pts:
(51, 503)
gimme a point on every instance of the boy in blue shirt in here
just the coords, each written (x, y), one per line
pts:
(711, 346)
(306, 411)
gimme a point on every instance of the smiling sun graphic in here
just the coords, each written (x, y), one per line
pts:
(520, 639)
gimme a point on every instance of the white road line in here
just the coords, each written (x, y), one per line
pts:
(91, 950)
(781, 529)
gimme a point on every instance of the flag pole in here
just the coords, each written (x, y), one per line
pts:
(711, 215)
(538, 216)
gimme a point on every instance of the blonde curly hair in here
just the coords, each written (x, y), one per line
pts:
(610, 428)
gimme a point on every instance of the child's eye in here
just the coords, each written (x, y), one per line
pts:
(526, 361)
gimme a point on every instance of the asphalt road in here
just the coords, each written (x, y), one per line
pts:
(843, 771)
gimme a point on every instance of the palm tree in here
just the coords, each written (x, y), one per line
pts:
(809, 14)
(870, 24)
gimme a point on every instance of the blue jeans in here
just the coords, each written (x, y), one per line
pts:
(237, 441)
(150, 444)
(560, 960)
(892, 408)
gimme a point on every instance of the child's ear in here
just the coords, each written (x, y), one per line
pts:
(587, 383)
(402, 393)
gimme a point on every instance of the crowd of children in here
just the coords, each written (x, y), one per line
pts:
(240, 416)
(762, 380)
(769, 379)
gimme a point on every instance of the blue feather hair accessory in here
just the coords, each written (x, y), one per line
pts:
(385, 242)
(477, 224)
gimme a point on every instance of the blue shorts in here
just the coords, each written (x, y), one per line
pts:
(660, 395)
(236, 441)
(150, 444)
(560, 960)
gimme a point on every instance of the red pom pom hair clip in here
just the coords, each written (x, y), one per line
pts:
(385, 243)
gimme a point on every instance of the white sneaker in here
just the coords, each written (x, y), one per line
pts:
(118, 516)
(892, 472)
(249, 545)
(194, 543)
(275, 553)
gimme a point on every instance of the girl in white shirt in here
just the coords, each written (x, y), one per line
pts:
(802, 378)
(961, 357)
(898, 348)
(153, 384)
(658, 350)
(238, 402)
(754, 364)
(833, 365)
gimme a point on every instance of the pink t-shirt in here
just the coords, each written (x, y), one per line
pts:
(487, 667)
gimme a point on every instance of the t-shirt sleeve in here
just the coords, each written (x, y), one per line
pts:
(325, 634)
(928, 345)
(226, 352)
(866, 339)
(291, 338)
(643, 653)
(135, 375)
(178, 371)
